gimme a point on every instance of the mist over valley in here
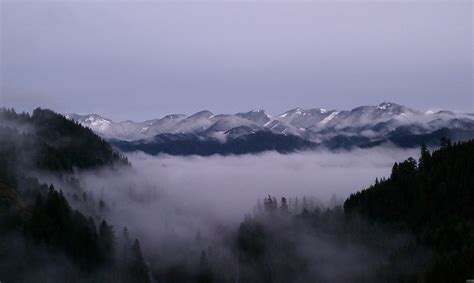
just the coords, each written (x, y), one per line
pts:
(236, 141)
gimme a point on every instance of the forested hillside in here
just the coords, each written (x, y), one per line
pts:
(433, 199)
(46, 140)
(415, 226)
(42, 237)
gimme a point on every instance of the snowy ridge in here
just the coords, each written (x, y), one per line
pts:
(315, 124)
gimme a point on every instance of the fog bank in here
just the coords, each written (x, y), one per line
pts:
(230, 185)
(194, 193)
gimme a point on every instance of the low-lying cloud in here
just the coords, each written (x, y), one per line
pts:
(184, 195)
(231, 185)
(179, 206)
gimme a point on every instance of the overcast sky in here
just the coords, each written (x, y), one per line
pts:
(143, 59)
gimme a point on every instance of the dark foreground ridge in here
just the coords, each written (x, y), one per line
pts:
(44, 237)
(433, 199)
(46, 140)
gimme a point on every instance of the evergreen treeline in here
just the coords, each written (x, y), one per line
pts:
(433, 198)
(416, 226)
(279, 243)
(49, 141)
(42, 238)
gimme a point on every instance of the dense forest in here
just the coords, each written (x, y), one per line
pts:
(415, 226)
(42, 237)
(433, 199)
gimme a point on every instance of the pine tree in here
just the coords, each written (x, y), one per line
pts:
(284, 206)
(204, 273)
(138, 268)
(425, 156)
(107, 239)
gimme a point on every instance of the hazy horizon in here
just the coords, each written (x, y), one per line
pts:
(141, 60)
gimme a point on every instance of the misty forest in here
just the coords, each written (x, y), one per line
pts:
(69, 205)
(236, 141)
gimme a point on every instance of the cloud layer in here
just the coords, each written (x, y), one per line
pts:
(174, 197)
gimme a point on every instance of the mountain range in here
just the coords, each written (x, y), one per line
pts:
(362, 126)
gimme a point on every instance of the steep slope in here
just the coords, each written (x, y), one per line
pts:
(259, 117)
(40, 230)
(432, 198)
(50, 141)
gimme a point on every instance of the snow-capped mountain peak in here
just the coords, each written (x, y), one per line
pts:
(259, 117)
(384, 105)
(95, 121)
(202, 114)
(314, 124)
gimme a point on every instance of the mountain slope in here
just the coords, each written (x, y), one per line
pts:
(362, 126)
(432, 198)
(311, 124)
(190, 144)
(46, 140)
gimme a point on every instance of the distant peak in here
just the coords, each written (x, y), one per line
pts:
(84, 117)
(385, 105)
(304, 112)
(94, 117)
(202, 114)
(173, 116)
(260, 112)
(297, 110)
(445, 112)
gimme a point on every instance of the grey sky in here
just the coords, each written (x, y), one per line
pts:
(142, 59)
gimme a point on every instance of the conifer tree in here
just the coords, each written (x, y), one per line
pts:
(284, 206)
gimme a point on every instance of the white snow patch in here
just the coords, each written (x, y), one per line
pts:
(383, 106)
(329, 117)
(268, 123)
(100, 125)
